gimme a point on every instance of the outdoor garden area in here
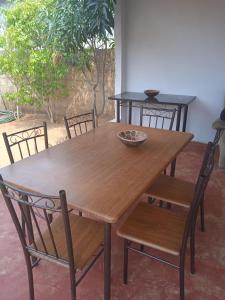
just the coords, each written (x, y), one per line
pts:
(50, 69)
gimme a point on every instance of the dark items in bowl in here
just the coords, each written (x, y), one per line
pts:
(132, 137)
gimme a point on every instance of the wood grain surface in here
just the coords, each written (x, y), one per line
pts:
(101, 175)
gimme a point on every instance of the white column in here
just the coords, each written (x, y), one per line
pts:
(120, 46)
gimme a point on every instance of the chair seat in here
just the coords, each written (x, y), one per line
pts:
(154, 227)
(173, 190)
(87, 235)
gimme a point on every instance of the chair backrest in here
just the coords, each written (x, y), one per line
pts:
(26, 142)
(208, 158)
(157, 117)
(201, 185)
(219, 133)
(79, 124)
(40, 240)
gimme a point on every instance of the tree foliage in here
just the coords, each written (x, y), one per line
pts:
(83, 31)
(41, 35)
(27, 59)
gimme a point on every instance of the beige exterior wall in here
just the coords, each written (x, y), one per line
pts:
(78, 96)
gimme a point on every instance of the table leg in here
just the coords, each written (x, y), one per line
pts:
(173, 164)
(107, 261)
(185, 118)
(178, 118)
(130, 112)
(173, 168)
(118, 111)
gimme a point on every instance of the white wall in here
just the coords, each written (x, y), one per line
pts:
(120, 50)
(176, 46)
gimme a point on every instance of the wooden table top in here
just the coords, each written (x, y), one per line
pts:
(101, 175)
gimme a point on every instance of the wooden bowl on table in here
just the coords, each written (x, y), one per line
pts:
(151, 93)
(132, 138)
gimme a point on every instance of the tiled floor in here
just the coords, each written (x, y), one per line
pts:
(147, 279)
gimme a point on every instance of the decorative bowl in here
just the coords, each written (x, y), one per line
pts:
(151, 93)
(132, 138)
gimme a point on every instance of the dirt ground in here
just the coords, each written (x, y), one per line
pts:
(56, 132)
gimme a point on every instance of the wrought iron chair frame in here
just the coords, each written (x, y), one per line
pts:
(215, 142)
(189, 226)
(219, 133)
(202, 208)
(163, 116)
(77, 121)
(159, 113)
(24, 136)
(27, 202)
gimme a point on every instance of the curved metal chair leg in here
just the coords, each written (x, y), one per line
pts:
(181, 275)
(192, 248)
(30, 276)
(73, 290)
(202, 215)
(125, 262)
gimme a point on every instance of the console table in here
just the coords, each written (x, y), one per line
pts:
(131, 98)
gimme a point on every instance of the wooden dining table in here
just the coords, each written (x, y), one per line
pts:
(101, 176)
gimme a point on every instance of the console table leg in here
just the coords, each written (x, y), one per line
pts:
(185, 118)
(130, 112)
(178, 118)
(118, 111)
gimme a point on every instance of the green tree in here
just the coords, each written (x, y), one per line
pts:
(27, 59)
(83, 30)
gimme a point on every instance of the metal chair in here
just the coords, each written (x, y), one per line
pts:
(157, 117)
(71, 241)
(177, 191)
(166, 230)
(79, 124)
(162, 118)
(25, 142)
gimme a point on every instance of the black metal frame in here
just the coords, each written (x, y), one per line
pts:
(219, 132)
(154, 115)
(189, 226)
(79, 123)
(180, 108)
(33, 206)
(107, 261)
(23, 137)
